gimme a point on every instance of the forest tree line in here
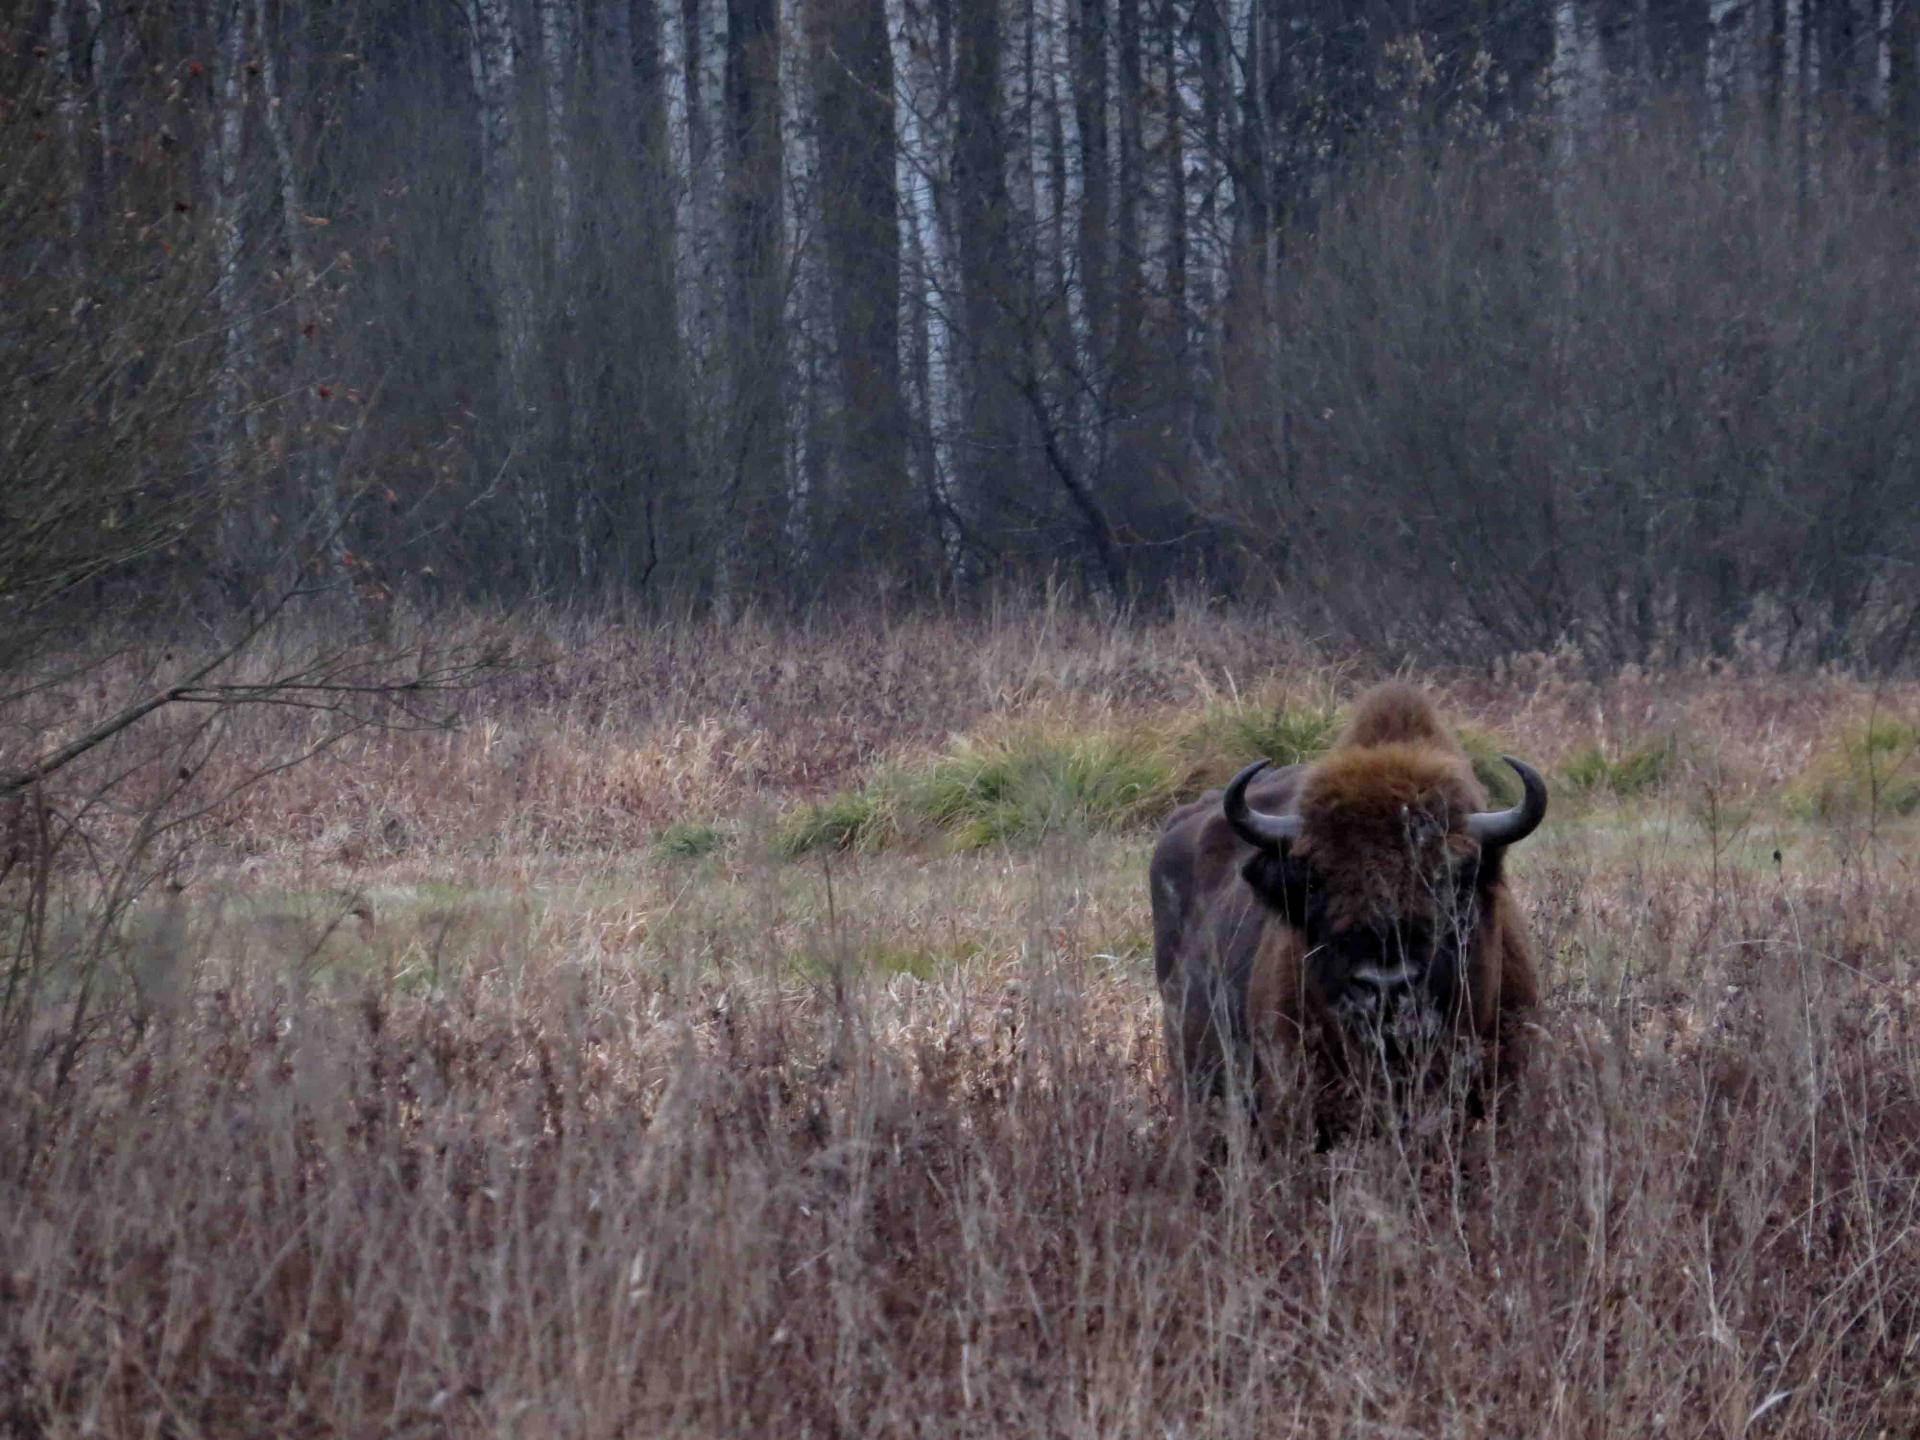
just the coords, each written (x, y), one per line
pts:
(1448, 327)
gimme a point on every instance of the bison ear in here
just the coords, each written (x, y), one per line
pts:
(1282, 880)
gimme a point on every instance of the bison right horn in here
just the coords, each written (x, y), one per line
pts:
(1256, 827)
(1510, 827)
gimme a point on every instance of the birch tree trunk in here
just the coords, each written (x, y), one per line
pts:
(231, 421)
(1129, 282)
(318, 486)
(664, 470)
(66, 111)
(852, 63)
(757, 492)
(493, 61)
(1055, 235)
(1730, 27)
(100, 73)
(707, 256)
(990, 455)
(1090, 102)
(1243, 320)
(1902, 29)
(571, 431)
(922, 55)
(1173, 88)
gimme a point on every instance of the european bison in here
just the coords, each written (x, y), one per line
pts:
(1349, 915)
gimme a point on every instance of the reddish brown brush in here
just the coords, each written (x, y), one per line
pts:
(963, 1209)
(593, 1142)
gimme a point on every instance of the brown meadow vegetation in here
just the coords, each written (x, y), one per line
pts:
(557, 1074)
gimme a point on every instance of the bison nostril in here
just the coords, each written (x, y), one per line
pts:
(1382, 979)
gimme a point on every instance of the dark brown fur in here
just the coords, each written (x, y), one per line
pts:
(1382, 847)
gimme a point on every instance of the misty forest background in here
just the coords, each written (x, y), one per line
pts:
(1447, 327)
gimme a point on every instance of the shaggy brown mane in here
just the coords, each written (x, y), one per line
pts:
(1354, 913)
(1381, 821)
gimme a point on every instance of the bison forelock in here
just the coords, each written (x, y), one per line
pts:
(1382, 839)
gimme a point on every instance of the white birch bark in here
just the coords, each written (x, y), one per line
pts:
(1165, 137)
(1187, 96)
(679, 158)
(923, 117)
(1051, 152)
(1070, 181)
(1023, 51)
(808, 315)
(1212, 180)
(1882, 52)
(280, 135)
(1807, 109)
(1729, 59)
(1574, 84)
(1578, 79)
(559, 53)
(706, 49)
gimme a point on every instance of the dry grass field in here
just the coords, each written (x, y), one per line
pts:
(751, 1031)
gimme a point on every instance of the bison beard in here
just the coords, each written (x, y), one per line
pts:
(1346, 924)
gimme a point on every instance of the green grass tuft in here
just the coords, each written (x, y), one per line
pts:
(1030, 786)
(885, 957)
(1874, 769)
(860, 819)
(1592, 771)
(1484, 750)
(689, 840)
(1233, 734)
(890, 958)
(1007, 789)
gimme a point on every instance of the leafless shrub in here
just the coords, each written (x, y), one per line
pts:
(1644, 404)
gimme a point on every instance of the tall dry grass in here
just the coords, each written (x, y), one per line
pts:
(565, 1196)
(561, 1134)
(610, 730)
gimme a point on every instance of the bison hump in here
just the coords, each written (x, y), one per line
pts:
(1395, 714)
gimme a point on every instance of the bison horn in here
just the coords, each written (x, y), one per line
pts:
(1510, 827)
(1257, 828)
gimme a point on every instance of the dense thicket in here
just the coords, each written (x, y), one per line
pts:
(1451, 327)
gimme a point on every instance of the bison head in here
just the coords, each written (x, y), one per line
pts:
(1384, 864)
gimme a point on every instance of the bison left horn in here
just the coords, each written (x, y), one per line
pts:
(1510, 827)
(1256, 827)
